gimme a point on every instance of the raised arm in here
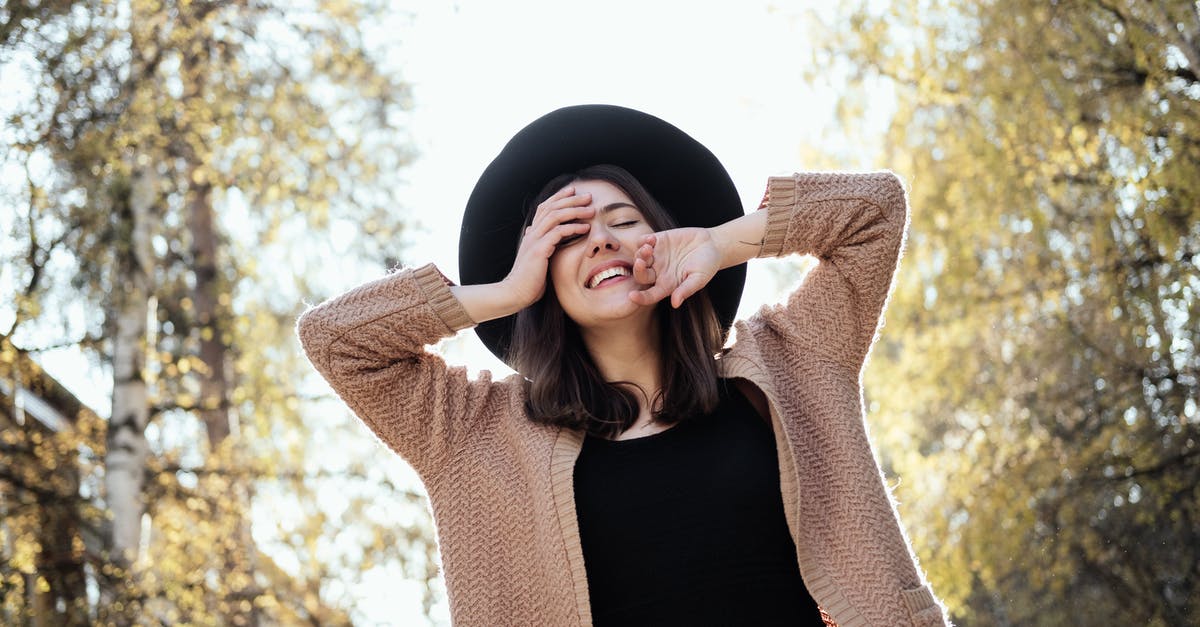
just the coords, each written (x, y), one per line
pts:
(369, 344)
(855, 225)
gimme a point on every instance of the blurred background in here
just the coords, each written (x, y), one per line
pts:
(180, 179)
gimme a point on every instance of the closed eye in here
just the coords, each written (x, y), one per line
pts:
(626, 223)
(567, 241)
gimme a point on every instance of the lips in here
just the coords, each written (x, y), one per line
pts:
(606, 271)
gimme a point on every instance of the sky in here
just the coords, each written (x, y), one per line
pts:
(731, 74)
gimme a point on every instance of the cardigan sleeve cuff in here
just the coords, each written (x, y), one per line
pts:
(436, 288)
(781, 197)
(924, 607)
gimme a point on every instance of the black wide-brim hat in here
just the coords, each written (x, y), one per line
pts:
(684, 176)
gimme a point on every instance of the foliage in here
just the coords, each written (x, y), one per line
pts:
(1037, 384)
(41, 480)
(284, 116)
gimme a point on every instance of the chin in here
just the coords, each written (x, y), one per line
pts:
(613, 314)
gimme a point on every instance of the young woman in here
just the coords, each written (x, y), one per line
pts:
(636, 471)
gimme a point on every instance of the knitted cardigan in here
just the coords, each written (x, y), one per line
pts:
(501, 485)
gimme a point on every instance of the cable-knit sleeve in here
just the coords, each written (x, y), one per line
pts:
(369, 344)
(855, 225)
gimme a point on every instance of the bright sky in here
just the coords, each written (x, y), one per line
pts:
(729, 76)
(728, 73)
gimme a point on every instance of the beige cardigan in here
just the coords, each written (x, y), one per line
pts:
(501, 485)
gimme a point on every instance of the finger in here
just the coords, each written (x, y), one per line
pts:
(548, 204)
(568, 200)
(643, 273)
(544, 206)
(688, 286)
(562, 193)
(562, 234)
(650, 295)
(582, 201)
(646, 253)
(557, 217)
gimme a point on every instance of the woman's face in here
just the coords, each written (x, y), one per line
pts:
(592, 274)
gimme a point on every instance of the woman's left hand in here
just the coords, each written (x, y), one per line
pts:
(675, 263)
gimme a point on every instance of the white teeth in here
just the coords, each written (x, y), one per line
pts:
(610, 272)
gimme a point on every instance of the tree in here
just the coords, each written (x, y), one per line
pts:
(42, 519)
(1037, 384)
(149, 126)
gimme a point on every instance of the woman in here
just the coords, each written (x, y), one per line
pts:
(635, 472)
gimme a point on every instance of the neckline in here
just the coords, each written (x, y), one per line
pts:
(726, 395)
(629, 441)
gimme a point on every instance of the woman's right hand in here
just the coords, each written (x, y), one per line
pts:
(563, 215)
(526, 281)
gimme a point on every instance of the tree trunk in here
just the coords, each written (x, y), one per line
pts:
(213, 319)
(214, 393)
(125, 458)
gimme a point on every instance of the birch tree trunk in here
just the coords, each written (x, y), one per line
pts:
(125, 458)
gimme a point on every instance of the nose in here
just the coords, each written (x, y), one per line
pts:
(600, 238)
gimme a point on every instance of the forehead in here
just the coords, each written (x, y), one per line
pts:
(602, 192)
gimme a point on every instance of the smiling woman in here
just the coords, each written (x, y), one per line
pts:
(636, 471)
(598, 359)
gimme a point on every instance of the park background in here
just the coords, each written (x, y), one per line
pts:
(179, 179)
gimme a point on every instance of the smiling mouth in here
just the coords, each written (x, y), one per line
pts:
(607, 274)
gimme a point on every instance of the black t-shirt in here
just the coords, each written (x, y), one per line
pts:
(686, 526)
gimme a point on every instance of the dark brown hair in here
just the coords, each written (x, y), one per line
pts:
(563, 383)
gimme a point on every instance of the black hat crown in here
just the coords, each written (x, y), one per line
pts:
(683, 175)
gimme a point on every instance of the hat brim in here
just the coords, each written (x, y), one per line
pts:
(683, 175)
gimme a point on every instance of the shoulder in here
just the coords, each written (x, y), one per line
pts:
(765, 343)
(743, 356)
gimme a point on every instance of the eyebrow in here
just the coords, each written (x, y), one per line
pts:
(612, 206)
(618, 205)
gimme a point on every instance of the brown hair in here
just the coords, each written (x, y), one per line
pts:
(563, 383)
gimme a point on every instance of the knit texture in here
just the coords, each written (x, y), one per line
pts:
(501, 485)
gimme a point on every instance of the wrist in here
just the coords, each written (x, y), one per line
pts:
(740, 239)
(488, 301)
(510, 296)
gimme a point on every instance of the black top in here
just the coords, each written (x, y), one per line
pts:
(686, 526)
